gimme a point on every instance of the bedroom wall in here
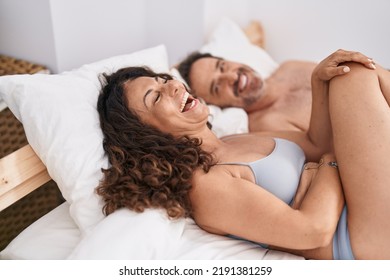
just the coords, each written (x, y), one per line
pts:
(64, 34)
(310, 30)
(26, 30)
(306, 29)
(90, 30)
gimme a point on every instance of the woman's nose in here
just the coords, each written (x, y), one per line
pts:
(173, 87)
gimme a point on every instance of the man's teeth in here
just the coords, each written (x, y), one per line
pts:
(183, 101)
(244, 80)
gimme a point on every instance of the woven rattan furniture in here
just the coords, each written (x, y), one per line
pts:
(18, 216)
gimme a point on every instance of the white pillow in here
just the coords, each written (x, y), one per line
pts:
(229, 41)
(228, 121)
(118, 237)
(61, 122)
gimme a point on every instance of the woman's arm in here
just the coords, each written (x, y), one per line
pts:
(227, 205)
(314, 181)
(325, 193)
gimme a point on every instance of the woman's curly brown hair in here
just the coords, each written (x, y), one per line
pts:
(148, 168)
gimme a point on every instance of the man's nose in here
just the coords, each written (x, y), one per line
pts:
(228, 78)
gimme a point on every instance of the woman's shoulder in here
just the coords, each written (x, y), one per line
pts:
(212, 182)
(216, 172)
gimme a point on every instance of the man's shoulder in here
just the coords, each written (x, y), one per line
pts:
(265, 120)
(294, 64)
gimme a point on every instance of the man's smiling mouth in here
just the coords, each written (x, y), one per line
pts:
(240, 83)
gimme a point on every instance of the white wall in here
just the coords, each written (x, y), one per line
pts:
(237, 10)
(176, 23)
(90, 30)
(64, 34)
(306, 29)
(310, 30)
(26, 30)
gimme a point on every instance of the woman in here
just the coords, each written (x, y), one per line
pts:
(257, 186)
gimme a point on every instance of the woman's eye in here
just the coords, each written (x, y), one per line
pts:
(162, 80)
(222, 67)
(157, 97)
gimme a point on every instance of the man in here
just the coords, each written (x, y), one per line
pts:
(279, 102)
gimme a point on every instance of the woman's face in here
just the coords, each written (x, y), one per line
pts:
(166, 105)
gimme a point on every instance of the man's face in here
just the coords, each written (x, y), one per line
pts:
(225, 83)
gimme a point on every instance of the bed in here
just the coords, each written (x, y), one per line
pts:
(60, 120)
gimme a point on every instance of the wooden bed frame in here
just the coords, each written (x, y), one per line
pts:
(21, 172)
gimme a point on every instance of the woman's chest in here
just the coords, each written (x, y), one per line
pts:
(246, 148)
(278, 171)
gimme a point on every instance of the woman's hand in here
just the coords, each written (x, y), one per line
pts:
(309, 172)
(332, 65)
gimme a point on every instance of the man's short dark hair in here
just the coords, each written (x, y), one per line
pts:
(185, 65)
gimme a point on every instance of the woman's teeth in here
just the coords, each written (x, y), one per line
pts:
(183, 101)
(192, 104)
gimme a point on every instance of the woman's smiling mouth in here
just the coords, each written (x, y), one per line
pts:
(187, 102)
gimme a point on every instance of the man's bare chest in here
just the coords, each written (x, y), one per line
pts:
(291, 112)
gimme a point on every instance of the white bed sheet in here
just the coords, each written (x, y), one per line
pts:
(56, 236)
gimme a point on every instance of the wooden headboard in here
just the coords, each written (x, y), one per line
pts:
(20, 173)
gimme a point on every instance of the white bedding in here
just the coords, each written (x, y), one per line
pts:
(117, 237)
(54, 236)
